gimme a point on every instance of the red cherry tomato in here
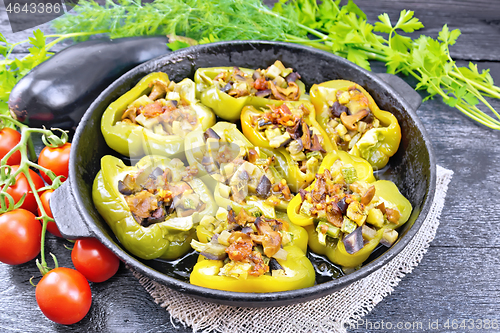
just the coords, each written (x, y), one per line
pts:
(51, 226)
(94, 260)
(9, 138)
(20, 234)
(55, 159)
(64, 296)
(21, 186)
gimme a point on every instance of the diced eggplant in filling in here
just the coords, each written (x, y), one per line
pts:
(255, 180)
(285, 127)
(217, 154)
(347, 209)
(165, 111)
(241, 172)
(155, 195)
(248, 245)
(350, 117)
(275, 82)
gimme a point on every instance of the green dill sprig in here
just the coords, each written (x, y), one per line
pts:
(342, 30)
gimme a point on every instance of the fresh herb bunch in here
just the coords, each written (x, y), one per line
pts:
(13, 69)
(342, 30)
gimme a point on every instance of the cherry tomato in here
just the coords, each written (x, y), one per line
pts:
(9, 138)
(55, 159)
(51, 226)
(21, 186)
(64, 296)
(94, 260)
(20, 234)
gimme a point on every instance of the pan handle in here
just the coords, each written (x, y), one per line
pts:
(68, 218)
(410, 95)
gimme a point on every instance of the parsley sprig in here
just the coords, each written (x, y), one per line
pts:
(342, 30)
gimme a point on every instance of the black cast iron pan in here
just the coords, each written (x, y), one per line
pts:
(413, 167)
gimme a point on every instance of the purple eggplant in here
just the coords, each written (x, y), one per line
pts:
(57, 92)
(354, 241)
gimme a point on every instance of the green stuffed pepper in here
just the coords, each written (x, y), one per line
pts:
(228, 89)
(154, 117)
(297, 141)
(353, 121)
(151, 207)
(244, 253)
(241, 175)
(346, 215)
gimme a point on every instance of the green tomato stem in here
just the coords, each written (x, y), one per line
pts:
(25, 147)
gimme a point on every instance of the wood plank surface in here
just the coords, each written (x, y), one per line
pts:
(457, 279)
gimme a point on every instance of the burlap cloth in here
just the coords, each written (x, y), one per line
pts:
(332, 313)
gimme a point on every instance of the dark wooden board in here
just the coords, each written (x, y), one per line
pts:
(457, 279)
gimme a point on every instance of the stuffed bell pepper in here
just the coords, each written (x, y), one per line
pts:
(241, 175)
(228, 89)
(353, 121)
(244, 253)
(152, 207)
(294, 137)
(346, 215)
(154, 117)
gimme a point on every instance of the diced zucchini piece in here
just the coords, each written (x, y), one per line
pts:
(272, 132)
(221, 214)
(280, 81)
(147, 122)
(224, 238)
(341, 130)
(368, 233)
(375, 217)
(362, 126)
(224, 190)
(295, 147)
(286, 237)
(333, 124)
(236, 270)
(176, 128)
(315, 154)
(173, 96)
(298, 157)
(344, 98)
(348, 226)
(306, 207)
(331, 230)
(273, 71)
(209, 248)
(191, 201)
(142, 101)
(158, 129)
(350, 175)
(278, 140)
(356, 213)
(312, 164)
(321, 237)
(389, 237)
(207, 222)
(287, 71)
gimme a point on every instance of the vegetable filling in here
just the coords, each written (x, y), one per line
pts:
(275, 82)
(155, 195)
(347, 209)
(165, 111)
(242, 172)
(350, 117)
(248, 245)
(285, 127)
